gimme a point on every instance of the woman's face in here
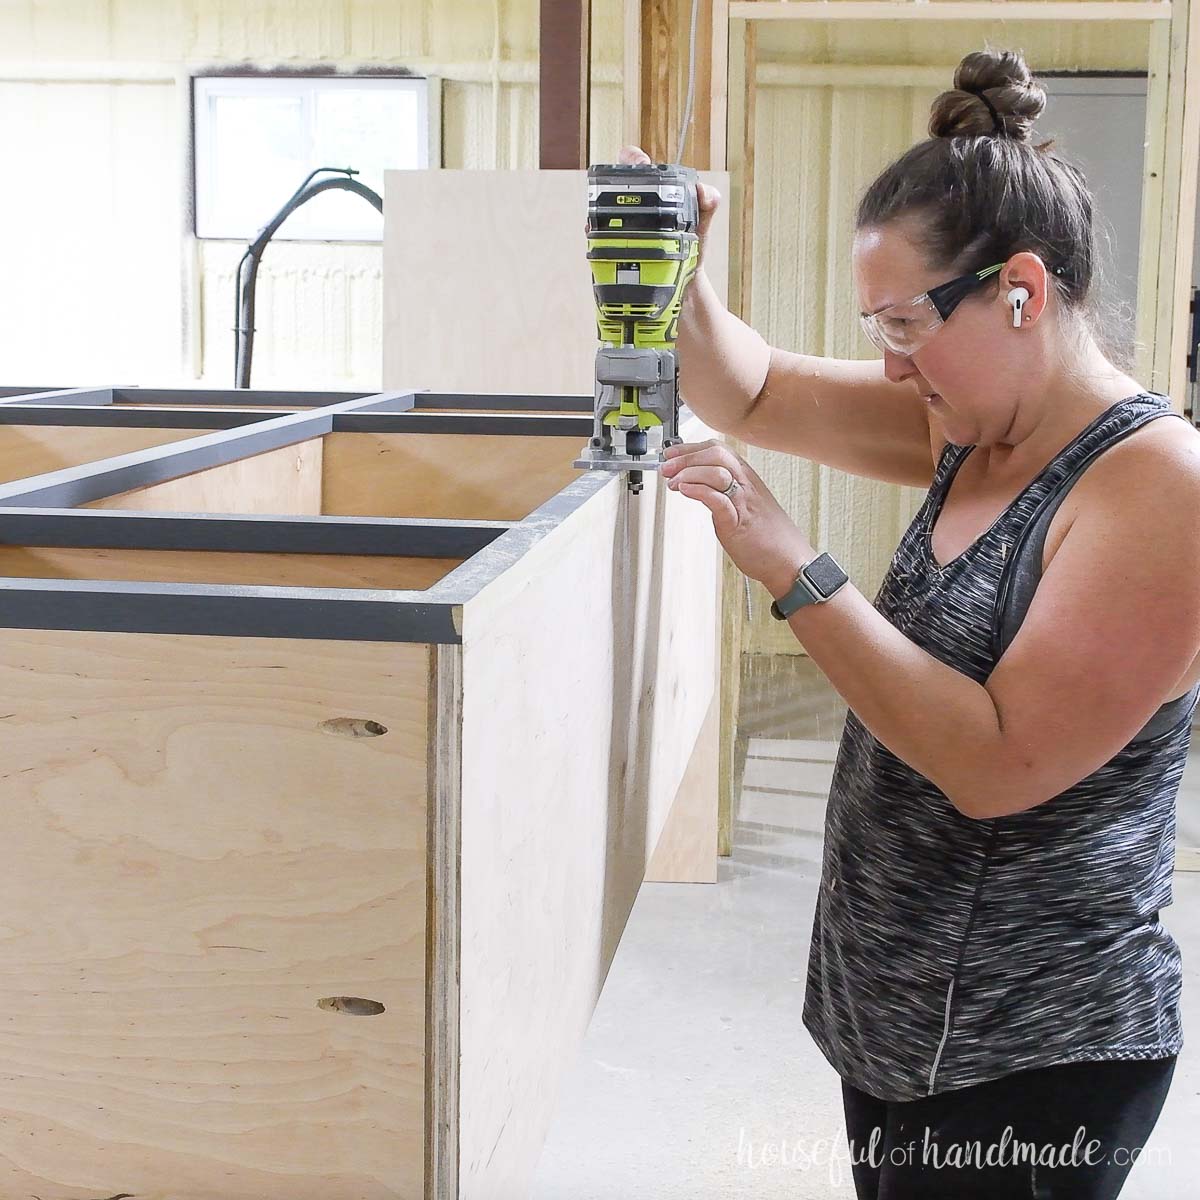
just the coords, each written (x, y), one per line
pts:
(968, 364)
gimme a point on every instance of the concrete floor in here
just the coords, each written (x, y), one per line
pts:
(697, 1079)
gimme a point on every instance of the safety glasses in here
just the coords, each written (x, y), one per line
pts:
(905, 327)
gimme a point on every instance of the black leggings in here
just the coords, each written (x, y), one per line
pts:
(931, 1148)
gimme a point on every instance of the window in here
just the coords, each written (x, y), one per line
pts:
(257, 137)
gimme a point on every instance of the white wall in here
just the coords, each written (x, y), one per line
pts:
(90, 228)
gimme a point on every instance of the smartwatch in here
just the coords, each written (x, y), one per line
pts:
(815, 582)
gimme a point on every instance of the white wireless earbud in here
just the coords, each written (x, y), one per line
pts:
(1017, 298)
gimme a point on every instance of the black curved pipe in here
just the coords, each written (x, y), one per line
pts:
(243, 330)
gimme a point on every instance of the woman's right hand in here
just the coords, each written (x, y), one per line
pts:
(707, 196)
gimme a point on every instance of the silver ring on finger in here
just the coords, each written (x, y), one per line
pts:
(733, 487)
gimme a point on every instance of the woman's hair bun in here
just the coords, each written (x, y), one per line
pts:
(1000, 78)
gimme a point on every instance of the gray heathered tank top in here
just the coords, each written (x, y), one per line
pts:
(945, 950)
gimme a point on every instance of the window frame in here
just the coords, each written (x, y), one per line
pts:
(305, 84)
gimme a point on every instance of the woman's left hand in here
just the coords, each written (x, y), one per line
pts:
(763, 541)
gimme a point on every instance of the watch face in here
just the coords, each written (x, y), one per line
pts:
(825, 574)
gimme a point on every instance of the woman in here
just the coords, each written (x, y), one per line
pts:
(988, 973)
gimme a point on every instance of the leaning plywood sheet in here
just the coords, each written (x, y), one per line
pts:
(687, 848)
(566, 787)
(212, 959)
(487, 284)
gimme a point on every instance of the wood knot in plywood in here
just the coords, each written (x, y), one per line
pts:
(353, 727)
(354, 1006)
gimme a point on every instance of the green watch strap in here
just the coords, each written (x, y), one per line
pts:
(816, 582)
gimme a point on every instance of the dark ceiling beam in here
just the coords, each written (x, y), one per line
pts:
(564, 72)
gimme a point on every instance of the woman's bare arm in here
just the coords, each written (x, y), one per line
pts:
(841, 412)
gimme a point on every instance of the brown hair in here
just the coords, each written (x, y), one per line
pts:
(978, 190)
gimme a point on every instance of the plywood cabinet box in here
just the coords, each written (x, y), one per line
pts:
(338, 734)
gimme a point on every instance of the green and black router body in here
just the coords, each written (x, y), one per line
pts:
(643, 248)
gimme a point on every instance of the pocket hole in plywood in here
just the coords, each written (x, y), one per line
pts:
(353, 1006)
(353, 727)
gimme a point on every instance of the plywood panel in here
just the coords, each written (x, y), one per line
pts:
(458, 476)
(204, 566)
(286, 481)
(687, 848)
(36, 449)
(486, 283)
(588, 670)
(197, 851)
